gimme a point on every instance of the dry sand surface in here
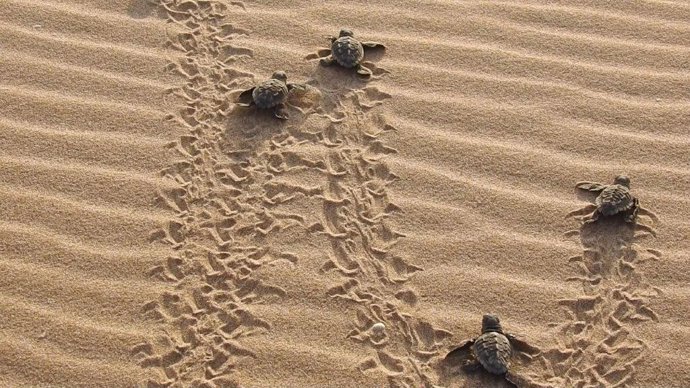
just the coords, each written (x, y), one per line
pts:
(152, 233)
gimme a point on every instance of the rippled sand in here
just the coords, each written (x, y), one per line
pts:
(152, 233)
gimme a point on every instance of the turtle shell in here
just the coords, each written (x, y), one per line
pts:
(270, 93)
(347, 51)
(493, 351)
(614, 199)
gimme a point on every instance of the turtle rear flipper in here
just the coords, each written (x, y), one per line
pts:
(364, 71)
(280, 111)
(590, 186)
(245, 98)
(522, 346)
(631, 217)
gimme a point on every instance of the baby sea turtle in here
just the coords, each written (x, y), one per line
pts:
(612, 199)
(348, 52)
(492, 350)
(271, 93)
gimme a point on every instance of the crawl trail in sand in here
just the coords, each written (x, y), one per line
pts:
(597, 345)
(227, 225)
(356, 212)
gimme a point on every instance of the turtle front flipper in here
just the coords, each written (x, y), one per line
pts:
(590, 186)
(464, 356)
(522, 346)
(364, 71)
(327, 61)
(373, 45)
(245, 98)
(280, 111)
(293, 86)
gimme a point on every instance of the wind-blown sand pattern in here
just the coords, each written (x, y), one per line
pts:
(152, 233)
(81, 141)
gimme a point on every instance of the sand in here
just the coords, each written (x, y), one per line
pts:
(154, 234)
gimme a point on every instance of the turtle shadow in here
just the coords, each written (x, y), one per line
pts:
(251, 130)
(608, 234)
(610, 253)
(452, 375)
(604, 242)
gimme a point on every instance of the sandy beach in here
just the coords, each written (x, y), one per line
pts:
(153, 233)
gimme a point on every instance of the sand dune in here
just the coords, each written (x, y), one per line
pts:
(154, 234)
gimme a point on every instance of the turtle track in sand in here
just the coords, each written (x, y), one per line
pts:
(357, 207)
(225, 228)
(242, 182)
(597, 345)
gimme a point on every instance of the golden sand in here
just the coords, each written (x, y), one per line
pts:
(151, 232)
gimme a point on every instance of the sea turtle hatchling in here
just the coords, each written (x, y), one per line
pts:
(272, 93)
(613, 199)
(492, 350)
(348, 52)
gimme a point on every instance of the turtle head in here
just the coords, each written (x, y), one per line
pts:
(622, 180)
(490, 322)
(345, 32)
(280, 75)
